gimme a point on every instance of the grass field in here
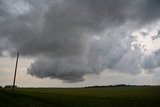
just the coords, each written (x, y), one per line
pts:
(144, 96)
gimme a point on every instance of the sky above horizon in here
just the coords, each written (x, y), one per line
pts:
(77, 43)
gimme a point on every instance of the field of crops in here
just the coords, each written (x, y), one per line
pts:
(144, 96)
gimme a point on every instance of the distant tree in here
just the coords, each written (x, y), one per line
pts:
(10, 86)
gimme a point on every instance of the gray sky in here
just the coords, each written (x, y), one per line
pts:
(67, 43)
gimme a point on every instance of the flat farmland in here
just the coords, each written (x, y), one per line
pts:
(132, 96)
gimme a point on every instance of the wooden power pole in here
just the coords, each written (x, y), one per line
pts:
(15, 73)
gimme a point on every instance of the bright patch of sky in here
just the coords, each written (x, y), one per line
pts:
(17, 7)
(147, 38)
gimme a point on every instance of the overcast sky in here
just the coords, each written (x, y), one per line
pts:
(72, 43)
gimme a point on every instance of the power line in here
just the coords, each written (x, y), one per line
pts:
(60, 17)
(73, 14)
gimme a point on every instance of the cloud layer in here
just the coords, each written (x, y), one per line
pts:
(72, 38)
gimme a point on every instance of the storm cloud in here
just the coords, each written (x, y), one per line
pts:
(69, 39)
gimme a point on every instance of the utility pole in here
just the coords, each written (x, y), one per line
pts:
(15, 73)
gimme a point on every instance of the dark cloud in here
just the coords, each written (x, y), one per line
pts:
(72, 38)
(150, 10)
(70, 69)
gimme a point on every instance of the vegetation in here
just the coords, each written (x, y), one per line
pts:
(129, 96)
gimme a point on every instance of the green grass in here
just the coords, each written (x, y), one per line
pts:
(82, 97)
